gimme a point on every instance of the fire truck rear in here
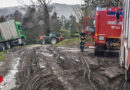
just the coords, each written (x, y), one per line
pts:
(108, 27)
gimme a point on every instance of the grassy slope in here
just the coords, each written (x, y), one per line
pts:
(68, 42)
(2, 56)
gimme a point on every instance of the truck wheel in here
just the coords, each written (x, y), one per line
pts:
(127, 75)
(2, 47)
(53, 41)
(43, 41)
(8, 46)
(23, 42)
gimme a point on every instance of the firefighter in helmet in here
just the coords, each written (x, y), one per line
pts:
(82, 36)
(82, 40)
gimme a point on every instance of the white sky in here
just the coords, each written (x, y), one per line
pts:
(10, 3)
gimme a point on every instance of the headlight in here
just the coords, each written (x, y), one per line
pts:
(101, 38)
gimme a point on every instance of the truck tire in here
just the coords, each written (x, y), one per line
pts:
(53, 41)
(23, 42)
(2, 46)
(127, 75)
(8, 46)
(43, 42)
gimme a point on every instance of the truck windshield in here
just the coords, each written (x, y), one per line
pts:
(52, 35)
(20, 27)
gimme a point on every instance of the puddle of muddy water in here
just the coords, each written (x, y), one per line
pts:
(66, 49)
(62, 57)
(9, 79)
(1, 63)
(77, 60)
(47, 54)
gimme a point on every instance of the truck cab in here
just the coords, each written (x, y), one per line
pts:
(20, 30)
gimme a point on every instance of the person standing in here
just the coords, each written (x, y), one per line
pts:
(41, 39)
(82, 40)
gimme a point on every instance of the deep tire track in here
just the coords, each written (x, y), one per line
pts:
(32, 77)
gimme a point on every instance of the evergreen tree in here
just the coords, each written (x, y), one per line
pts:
(73, 24)
(55, 23)
(90, 5)
(17, 16)
(2, 19)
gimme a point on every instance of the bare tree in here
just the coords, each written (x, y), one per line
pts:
(46, 16)
(44, 6)
(90, 5)
(78, 12)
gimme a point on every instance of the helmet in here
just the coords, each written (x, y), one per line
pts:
(82, 31)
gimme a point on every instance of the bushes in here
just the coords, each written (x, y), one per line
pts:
(66, 34)
(68, 42)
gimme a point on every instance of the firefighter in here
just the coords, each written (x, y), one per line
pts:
(41, 39)
(82, 40)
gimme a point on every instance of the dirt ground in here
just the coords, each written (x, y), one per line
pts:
(45, 67)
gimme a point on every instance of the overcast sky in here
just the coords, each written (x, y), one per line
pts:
(10, 3)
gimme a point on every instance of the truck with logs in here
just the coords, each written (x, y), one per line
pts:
(11, 34)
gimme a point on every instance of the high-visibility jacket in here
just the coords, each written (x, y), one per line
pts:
(41, 37)
(82, 37)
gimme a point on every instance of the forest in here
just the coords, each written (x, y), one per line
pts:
(40, 20)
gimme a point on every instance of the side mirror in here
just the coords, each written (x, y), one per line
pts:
(117, 14)
(91, 29)
(94, 22)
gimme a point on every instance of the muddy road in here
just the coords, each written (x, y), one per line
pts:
(63, 68)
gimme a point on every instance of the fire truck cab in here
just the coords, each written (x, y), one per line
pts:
(108, 27)
(125, 40)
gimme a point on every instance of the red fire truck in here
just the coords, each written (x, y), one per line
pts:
(125, 40)
(107, 29)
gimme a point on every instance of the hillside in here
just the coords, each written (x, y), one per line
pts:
(61, 9)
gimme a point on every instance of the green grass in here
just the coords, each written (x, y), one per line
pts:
(68, 42)
(2, 56)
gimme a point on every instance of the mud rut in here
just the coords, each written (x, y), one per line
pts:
(48, 68)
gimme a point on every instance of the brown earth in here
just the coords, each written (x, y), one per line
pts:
(62, 68)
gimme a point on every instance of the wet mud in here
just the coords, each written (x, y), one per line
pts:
(64, 68)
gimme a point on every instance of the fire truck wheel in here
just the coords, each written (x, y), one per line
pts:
(127, 75)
